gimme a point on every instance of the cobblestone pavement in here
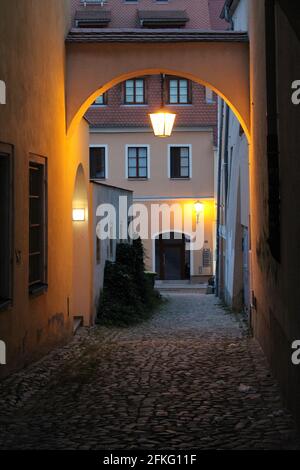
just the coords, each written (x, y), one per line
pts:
(191, 377)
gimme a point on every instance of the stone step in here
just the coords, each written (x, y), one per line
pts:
(181, 287)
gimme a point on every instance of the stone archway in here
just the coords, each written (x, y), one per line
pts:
(96, 64)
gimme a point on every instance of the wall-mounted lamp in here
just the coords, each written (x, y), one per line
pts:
(162, 121)
(78, 215)
(199, 207)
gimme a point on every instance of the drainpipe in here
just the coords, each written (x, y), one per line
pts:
(219, 201)
(226, 154)
(229, 19)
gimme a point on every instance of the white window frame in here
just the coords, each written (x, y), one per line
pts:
(127, 146)
(209, 95)
(190, 161)
(105, 146)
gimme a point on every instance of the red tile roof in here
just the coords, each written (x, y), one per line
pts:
(116, 114)
(124, 15)
(215, 8)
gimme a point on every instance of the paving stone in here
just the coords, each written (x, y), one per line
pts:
(191, 377)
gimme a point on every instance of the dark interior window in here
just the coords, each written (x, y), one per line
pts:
(6, 228)
(97, 162)
(37, 226)
(180, 162)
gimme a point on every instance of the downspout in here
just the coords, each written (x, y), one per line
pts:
(219, 201)
(229, 19)
(226, 155)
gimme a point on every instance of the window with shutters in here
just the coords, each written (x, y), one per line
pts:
(6, 217)
(37, 224)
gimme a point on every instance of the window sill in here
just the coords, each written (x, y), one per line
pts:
(172, 105)
(137, 179)
(134, 105)
(37, 289)
(5, 304)
(184, 178)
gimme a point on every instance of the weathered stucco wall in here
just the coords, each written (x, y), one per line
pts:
(32, 52)
(93, 68)
(159, 184)
(276, 318)
(159, 188)
(78, 150)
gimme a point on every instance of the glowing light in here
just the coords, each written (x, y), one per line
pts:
(199, 206)
(78, 215)
(162, 123)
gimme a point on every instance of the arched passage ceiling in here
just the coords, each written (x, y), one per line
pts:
(97, 60)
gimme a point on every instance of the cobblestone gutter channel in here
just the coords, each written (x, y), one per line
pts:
(191, 377)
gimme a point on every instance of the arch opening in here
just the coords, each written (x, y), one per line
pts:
(80, 301)
(146, 72)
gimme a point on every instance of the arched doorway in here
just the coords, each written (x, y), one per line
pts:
(172, 258)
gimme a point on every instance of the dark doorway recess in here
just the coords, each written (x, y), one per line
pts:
(172, 259)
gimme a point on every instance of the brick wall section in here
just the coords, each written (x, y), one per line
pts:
(215, 7)
(116, 114)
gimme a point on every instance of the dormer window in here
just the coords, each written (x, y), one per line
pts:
(92, 18)
(163, 18)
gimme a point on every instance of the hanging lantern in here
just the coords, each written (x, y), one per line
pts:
(162, 121)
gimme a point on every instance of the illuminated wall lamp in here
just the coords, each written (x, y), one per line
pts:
(199, 207)
(78, 215)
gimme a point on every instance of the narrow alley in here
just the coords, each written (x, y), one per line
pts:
(190, 378)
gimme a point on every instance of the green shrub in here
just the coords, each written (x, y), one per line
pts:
(119, 303)
(125, 256)
(128, 294)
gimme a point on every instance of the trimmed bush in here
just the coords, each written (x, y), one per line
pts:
(128, 294)
(119, 302)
